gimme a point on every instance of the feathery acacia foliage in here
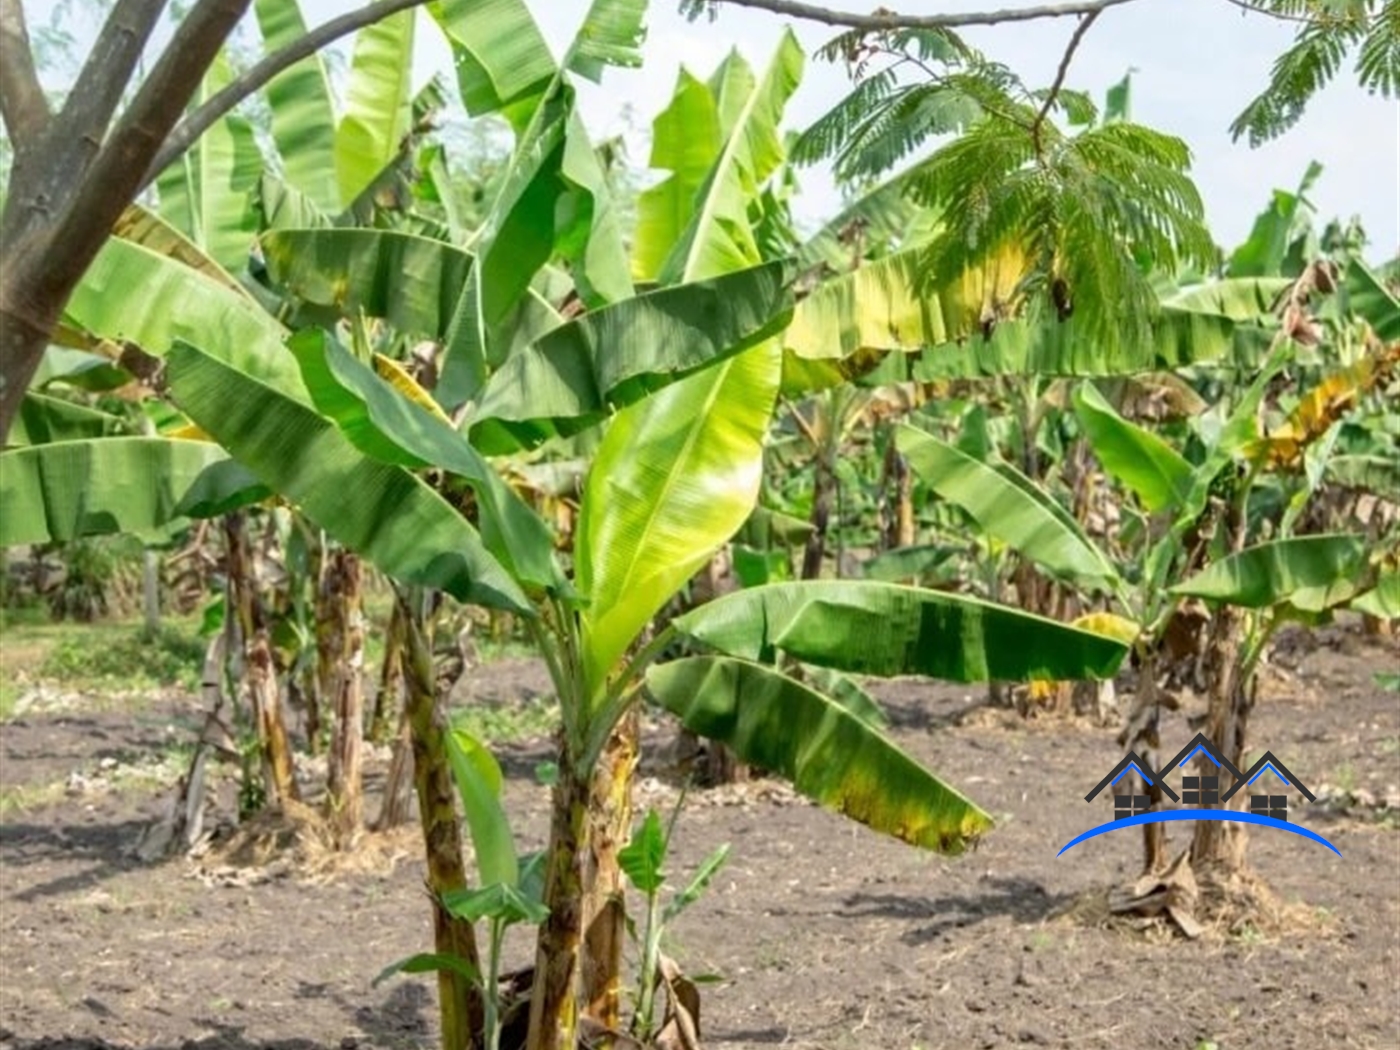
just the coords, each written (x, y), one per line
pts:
(1329, 31)
(1089, 207)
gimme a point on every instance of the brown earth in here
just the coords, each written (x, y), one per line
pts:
(822, 934)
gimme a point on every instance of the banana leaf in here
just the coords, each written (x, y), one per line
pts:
(718, 239)
(871, 628)
(881, 215)
(1366, 296)
(43, 419)
(478, 778)
(1310, 573)
(97, 486)
(378, 101)
(386, 425)
(144, 227)
(132, 294)
(1009, 507)
(828, 754)
(412, 282)
(675, 477)
(300, 108)
(503, 63)
(1383, 600)
(380, 511)
(1141, 460)
(685, 142)
(574, 376)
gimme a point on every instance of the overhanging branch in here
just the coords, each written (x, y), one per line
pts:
(22, 102)
(115, 175)
(95, 95)
(198, 122)
(1060, 74)
(885, 19)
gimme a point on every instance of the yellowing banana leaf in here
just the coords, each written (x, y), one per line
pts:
(1310, 573)
(386, 425)
(300, 108)
(1009, 507)
(886, 629)
(1138, 458)
(70, 489)
(132, 294)
(378, 102)
(43, 419)
(827, 753)
(675, 477)
(380, 511)
(572, 377)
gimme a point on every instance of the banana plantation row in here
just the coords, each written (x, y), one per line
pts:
(1009, 418)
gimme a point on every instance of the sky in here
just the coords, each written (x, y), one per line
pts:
(1197, 63)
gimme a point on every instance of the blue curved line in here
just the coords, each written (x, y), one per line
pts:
(1199, 814)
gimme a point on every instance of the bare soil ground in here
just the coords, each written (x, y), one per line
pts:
(823, 934)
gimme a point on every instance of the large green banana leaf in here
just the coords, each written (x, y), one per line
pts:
(132, 294)
(718, 237)
(386, 425)
(205, 192)
(378, 103)
(1274, 231)
(675, 476)
(280, 206)
(144, 227)
(503, 63)
(44, 419)
(381, 511)
(1382, 600)
(1138, 458)
(573, 376)
(553, 199)
(300, 108)
(886, 629)
(1310, 573)
(69, 489)
(412, 282)
(1009, 507)
(685, 141)
(827, 753)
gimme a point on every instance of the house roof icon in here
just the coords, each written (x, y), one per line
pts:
(1130, 761)
(1200, 743)
(1262, 765)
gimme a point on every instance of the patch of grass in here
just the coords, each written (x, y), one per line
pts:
(21, 798)
(1345, 777)
(134, 658)
(508, 723)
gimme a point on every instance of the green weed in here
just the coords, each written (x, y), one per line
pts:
(135, 658)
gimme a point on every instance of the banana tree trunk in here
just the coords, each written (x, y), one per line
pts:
(1141, 736)
(459, 1002)
(554, 996)
(390, 678)
(898, 500)
(1218, 847)
(604, 912)
(259, 671)
(341, 655)
(823, 495)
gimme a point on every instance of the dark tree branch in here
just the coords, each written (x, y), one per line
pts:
(114, 177)
(198, 122)
(22, 102)
(884, 19)
(1074, 41)
(88, 109)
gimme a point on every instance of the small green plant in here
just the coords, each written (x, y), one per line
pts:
(643, 860)
(510, 890)
(166, 657)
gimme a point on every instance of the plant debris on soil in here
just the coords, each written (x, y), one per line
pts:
(821, 934)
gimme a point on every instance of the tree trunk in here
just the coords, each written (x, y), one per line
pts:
(823, 493)
(1141, 735)
(390, 678)
(341, 652)
(898, 509)
(460, 1006)
(604, 909)
(1219, 846)
(554, 997)
(398, 783)
(259, 673)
